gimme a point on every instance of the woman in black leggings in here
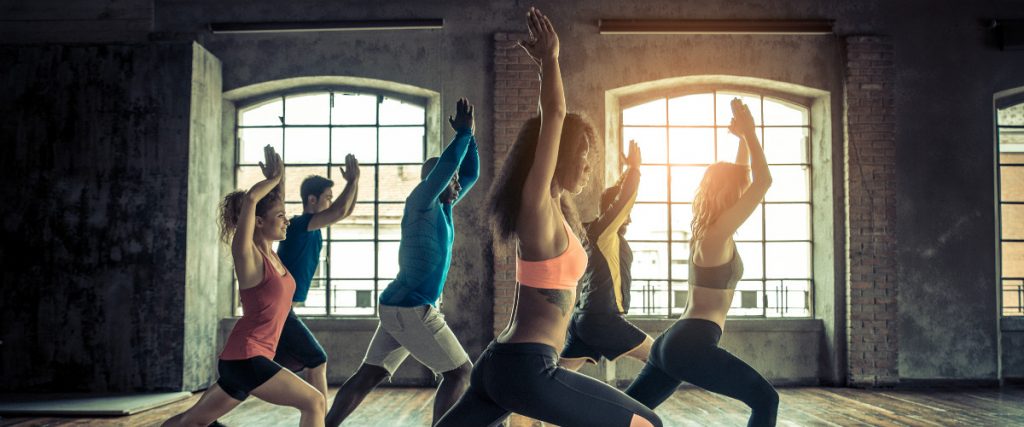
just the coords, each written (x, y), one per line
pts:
(531, 205)
(688, 351)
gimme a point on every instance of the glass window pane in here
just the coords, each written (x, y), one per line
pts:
(648, 114)
(729, 144)
(788, 260)
(685, 180)
(1013, 297)
(788, 298)
(649, 297)
(680, 261)
(789, 184)
(396, 182)
(751, 228)
(390, 216)
(358, 226)
(267, 113)
(352, 260)
(316, 300)
(1011, 183)
(1013, 259)
(723, 108)
(367, 182)
(692, 110)
(778, 112)
(358, 141)
(1013, 157)
(294, 175)
(751, 254)
(748, 299)
(788, 222)
(692, 145)
(306, 145)
(650, 222)
(401, 145)
(1011, 140)
(354, 109)
(653, 184)
(308, 109)
(395, 112)
(291, 210)
(682, 216)
(1010, 116)
(1012, 221)
(251, 142)
(247, 176)
(387, 260)
(785, 145)
(353, 297)
(650, 261)
(651, 141)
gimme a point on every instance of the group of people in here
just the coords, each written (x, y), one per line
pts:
(530, 206)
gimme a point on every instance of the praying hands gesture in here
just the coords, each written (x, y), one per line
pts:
(543, 41)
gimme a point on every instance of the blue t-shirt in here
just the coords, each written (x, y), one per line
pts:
(427, 230)
(300, 253)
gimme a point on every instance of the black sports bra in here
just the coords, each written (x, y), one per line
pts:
(723, 276)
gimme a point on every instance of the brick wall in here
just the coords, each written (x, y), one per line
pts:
(869, 155)
(516, 91)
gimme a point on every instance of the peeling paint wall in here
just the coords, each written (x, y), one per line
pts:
(94, 230)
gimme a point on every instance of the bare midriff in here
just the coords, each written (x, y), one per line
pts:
(539, 316)
(708, 304)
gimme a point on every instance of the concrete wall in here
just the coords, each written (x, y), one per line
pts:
(946, 74)
(95, 230)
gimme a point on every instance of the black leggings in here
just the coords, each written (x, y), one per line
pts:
(525, 378)
(688, 351)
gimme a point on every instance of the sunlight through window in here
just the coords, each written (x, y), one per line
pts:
(313, 132)
(680, 137)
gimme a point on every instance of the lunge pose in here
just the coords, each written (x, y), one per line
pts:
(251, 221)
(688, 351)
(300, 253)
(598, 327)
(531, 205)
(409, 321)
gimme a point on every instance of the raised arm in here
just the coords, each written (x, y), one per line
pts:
(613, 217)
(247, 263)
(543, 48)
(469, 172)
(451, 159)
(743, 126)
(345, 203)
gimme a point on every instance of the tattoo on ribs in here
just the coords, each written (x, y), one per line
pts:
(558, 298)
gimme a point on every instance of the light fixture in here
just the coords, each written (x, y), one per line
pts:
(317, 26)
(715, 26)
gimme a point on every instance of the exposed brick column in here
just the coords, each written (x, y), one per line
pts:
(516, 90)
(869, 155)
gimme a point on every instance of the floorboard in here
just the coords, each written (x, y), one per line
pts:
(800, 406)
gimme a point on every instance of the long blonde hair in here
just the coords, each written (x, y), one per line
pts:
(721, 187)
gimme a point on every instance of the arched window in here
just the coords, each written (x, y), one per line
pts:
(314, 131)
(1010, 140)
(680, 135)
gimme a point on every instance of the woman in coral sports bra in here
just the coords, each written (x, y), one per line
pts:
(531, 205)
(252, 221)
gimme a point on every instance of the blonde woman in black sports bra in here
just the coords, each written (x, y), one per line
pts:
(688, 351)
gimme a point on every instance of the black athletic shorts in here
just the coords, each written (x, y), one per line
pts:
(238, 378)
(596, 335)
(298, 349)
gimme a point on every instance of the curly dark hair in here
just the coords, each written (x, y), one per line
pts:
(505, 198)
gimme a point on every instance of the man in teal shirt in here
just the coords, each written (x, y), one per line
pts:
(410, 322)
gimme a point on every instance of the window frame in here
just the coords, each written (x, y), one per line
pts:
(421, 101)
(806, 103)
(1003, 103)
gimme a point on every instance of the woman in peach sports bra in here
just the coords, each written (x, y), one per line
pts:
(252, 221)
(531, 206)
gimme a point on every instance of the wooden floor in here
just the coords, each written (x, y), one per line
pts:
(392, 407)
